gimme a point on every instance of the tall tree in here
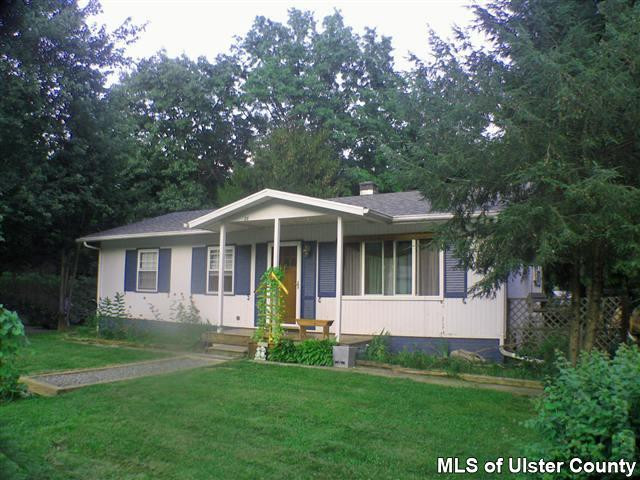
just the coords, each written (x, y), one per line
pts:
(60, 165)
(188, 130)
(291, 159)
(532, 142)
(301, 75)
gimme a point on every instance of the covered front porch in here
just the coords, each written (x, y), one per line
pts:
(278, 226)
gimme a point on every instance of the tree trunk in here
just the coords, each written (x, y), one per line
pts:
(70, 284)
(62, 292)
(594, 294)
(574, 324)
(625, 314)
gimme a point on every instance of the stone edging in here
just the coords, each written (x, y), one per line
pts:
(470, 377)
(38, 386)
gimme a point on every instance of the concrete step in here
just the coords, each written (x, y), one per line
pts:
(222, 349)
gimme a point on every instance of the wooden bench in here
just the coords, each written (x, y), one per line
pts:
(308, 322)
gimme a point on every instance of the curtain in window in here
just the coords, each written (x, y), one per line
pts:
(388, 268)
(351, 276)
(404, 263)
(428, 268)
(373, 268)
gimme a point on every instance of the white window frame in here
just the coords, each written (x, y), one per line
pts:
(138, 269)
(228, 248)
(414, 275)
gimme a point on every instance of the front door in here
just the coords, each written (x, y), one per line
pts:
(289, 263)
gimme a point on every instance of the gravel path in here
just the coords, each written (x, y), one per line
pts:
(112, 374)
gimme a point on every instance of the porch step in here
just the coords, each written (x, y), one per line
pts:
(225, 338)
(227, 350)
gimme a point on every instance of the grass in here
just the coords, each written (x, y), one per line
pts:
(248, 420)
(50, 351)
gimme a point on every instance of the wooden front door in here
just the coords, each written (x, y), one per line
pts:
(289, 263)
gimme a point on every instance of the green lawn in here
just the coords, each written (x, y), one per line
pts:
(247, 420)
(49, 351)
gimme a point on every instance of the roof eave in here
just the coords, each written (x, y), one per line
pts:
(126, 236)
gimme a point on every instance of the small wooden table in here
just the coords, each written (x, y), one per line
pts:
(309, 322)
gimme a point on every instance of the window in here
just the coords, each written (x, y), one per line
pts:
(352, 272)
(213, 269)
(391, 267)
(147, 270)
(428, 268)
(373, 268)
(404, 267)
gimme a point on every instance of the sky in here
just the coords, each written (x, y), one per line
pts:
(207, 27)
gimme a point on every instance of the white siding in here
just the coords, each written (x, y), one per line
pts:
(456, 318)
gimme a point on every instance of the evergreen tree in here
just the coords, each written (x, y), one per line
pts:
(532, 143)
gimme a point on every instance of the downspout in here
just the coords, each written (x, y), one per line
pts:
(91, 247)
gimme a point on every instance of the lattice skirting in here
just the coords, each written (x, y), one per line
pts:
(534, 325)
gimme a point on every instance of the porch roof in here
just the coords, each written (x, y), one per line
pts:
(301, 205)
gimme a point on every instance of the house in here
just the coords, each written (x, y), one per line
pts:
(367, 262)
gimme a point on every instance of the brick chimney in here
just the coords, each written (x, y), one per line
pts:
(368, 188)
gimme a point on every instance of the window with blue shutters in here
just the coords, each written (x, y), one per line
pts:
(147, 270)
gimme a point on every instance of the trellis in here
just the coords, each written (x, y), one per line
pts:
(535, 322)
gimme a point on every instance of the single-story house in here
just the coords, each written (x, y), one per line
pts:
(367, 262)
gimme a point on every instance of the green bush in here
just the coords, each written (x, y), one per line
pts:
(285, 351)
(11, 337)
(308, 352)
(316, 352)
(379, 348)
(35, 297)
(592, 410)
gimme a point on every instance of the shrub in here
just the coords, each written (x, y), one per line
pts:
(11, 337)
(308, 352)
(182, 312)
(316, 352)
(285, 351)
(35, 296)
(592, 410)
(379, 349)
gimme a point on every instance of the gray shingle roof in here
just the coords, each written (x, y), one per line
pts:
(392, 204)
(397, 203)
(170, 222)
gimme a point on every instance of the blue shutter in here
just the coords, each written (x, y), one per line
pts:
(164, 270)
(455, 277)
(130, 270)
(308, 300)
(261, 267)
(242, 271)
(327, 269)
(198, 269)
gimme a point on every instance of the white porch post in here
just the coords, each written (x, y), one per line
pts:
(221, 249)
(276, 242)
(339, 241)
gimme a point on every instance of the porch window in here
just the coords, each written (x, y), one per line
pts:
(213, 269)
(373, 268)
(352, 271)
(428, 268)
(147, 273)
(404, 267)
